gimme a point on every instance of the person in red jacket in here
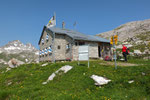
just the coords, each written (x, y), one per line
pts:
(124, 50)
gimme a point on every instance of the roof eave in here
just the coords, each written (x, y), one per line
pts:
(91, 40)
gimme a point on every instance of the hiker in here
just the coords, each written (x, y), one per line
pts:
(124, 52)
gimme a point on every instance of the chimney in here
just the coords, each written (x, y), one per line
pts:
(63, 25)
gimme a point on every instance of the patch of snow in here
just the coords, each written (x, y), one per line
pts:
(15, 44)
(12, 48)
(100, 80)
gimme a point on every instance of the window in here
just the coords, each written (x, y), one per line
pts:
(43, 52)
(81, 43)
(47, 37)
(42, 41)
(49, 49)
(58, 47)
(67, 46)
(46, 51)
(40, 53)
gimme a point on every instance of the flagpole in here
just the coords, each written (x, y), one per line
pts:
(55, 18)
(75, 25)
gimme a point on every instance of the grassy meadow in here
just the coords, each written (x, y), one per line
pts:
(25, 82)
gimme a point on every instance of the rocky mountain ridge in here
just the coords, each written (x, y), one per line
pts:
(129, 31)
(135, 35)
(16, 46)
(26, 53)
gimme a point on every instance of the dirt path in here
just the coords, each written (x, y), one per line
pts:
(118, 63)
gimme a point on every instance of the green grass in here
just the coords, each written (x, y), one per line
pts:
(26, 82)
(144, 36)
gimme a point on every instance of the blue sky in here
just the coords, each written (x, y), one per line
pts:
(24, 19)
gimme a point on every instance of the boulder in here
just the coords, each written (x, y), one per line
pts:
(139, 42)
(99, 80)
(129, 45)
(14, 63)
(130, 81)
(147, 58)
(7, 69)
(65, 69)
(26, 60)
(44, 64)
(137, 52)
(2, 61)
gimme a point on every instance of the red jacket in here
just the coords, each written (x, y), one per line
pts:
(124, 48)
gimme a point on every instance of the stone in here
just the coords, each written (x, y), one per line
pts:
(65, 69)
(137, 52)
(2, 61)
(26, 60)
(99, 80)
(7, 69)
(138, 42)
(51, 77)
(44, 83)
(143, 73)
(9, 83)
(121, 59)
(14, 63)
(44, 64)
(130, 81)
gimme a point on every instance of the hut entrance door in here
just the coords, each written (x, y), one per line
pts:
(99, 51)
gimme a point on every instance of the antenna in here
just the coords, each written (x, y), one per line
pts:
(74, 25)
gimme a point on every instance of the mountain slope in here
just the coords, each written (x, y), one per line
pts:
(136, 36)
(130, 31)
(25, 82)
(16, 49)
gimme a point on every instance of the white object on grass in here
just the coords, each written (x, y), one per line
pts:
(100, 80)
(131, 81)
(44, 64)
(65, 69)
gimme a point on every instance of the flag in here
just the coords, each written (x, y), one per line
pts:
(74, 23)
(52, 22)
